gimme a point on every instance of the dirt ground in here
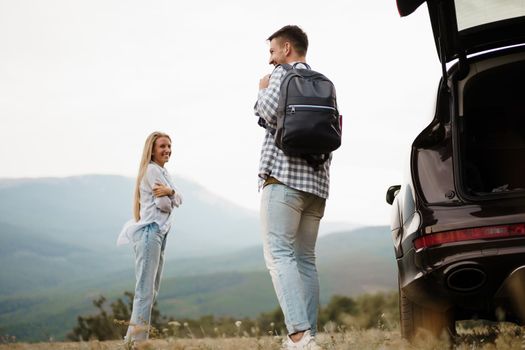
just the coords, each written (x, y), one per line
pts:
(373, 339)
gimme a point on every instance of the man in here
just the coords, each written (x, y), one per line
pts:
(292, 203)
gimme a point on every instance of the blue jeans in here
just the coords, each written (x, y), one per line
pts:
(290, 223)
(148, 244)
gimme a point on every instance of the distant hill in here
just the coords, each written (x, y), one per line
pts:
(63, 230)
(236, 284)
(56, 231)
(342, 258)
(89, 211)
(57, 247)
(350, 263)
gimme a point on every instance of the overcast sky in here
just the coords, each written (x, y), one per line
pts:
(82, 84)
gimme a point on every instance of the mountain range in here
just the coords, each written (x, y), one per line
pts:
(57, 247)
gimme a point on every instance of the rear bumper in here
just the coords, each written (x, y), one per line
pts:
(472, 278)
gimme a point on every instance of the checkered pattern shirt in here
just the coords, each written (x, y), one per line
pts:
(294, 172)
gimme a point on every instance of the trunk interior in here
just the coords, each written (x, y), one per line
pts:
(492, 131)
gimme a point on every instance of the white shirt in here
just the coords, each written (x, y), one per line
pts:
(152, 209)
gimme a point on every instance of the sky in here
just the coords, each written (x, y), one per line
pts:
(83, 83)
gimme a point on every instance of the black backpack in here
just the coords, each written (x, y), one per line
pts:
(308, 122)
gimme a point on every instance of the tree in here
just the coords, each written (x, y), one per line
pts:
(107, 326)
(337, 306)
(272, 321)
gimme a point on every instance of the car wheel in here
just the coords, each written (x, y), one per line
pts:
(414, 317)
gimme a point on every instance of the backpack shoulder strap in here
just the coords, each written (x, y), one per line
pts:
(286, 66)
(303, 63)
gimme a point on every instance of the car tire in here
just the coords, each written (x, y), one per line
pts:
(414, 317)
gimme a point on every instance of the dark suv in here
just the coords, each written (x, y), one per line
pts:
(458, 221)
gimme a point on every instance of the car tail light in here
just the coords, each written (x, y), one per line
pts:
(468, 234)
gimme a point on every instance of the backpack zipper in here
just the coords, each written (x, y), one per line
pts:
(292, 107)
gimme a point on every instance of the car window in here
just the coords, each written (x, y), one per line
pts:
(471, 13)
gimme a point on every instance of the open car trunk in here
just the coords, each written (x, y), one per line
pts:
(492, 131)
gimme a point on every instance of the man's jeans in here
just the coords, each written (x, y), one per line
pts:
(149, 245)
(290, 222)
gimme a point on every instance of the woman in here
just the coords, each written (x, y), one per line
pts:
(155, 197)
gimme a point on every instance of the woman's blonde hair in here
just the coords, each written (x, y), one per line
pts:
(146, 158)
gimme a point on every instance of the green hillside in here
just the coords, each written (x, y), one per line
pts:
(89, 211)
(357, 262)
(34, 262)
(213, 285)
(57, 247)
(222, 294)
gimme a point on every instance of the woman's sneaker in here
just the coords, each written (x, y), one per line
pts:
(307, 342)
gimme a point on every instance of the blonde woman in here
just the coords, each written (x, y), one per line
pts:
(155, 198)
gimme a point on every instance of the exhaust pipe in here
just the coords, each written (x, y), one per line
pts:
(466, 278)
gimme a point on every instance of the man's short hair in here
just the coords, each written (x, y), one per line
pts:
(295, 35)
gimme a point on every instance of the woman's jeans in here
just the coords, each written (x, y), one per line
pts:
(149, 245)
(290, 222)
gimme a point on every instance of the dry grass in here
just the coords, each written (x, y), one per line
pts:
(504, 337)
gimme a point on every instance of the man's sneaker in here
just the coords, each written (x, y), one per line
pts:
(307, 342)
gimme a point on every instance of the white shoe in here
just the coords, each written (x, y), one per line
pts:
(307, 342)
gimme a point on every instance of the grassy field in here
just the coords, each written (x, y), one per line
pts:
(502, 337)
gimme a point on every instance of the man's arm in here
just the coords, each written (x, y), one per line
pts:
(268, 98)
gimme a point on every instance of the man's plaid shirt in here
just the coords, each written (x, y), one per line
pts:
(291, 171)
